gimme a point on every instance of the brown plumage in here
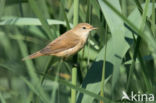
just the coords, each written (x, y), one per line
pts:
(67, 44)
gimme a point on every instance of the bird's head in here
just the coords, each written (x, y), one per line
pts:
(83, 29)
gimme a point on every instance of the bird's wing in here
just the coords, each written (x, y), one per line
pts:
(64, 42)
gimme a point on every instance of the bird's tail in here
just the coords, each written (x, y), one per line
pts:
(32, 56)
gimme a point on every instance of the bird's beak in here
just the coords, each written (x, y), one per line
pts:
(93, 28)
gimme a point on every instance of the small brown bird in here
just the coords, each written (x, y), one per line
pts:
(67, 44)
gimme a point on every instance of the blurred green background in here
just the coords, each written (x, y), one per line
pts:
(119, 56)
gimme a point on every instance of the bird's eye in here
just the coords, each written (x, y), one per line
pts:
(83, 27)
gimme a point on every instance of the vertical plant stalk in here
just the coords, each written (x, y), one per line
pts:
(103, 68)
(76, 7)
(74, 80)
(88, 59)
(88, 19)
(74, 70)
(124, 7)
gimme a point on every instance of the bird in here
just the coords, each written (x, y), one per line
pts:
(67, 44)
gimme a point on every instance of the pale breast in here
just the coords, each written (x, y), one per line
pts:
(70, 51)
